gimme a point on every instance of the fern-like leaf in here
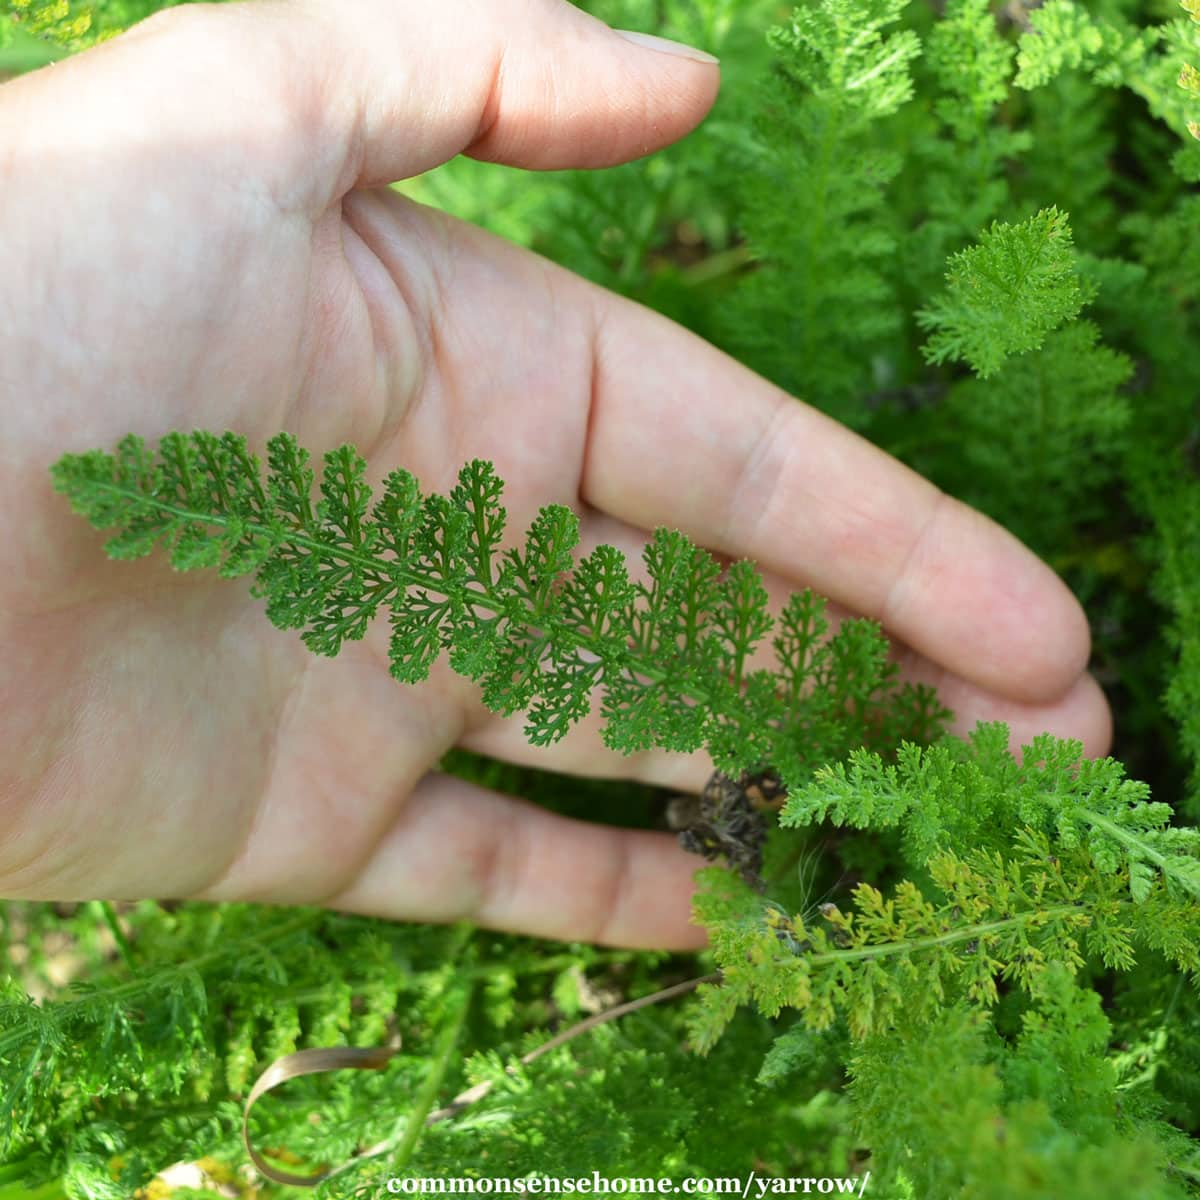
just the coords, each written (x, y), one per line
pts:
(1005, 294)
(537, 631)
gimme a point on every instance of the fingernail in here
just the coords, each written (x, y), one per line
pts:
(667, 47)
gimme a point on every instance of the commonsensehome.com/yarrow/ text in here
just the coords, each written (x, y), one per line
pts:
(747, 1186)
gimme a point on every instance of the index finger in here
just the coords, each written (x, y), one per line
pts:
(681, 434)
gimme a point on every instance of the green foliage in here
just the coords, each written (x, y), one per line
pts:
(1035, 1117)
(961, 795)
(209, 995)
(969, 65)
(47, 30)
(1068, 403)
(900, 960)
(1033, 870)
(968, 229)
(670, 655)
(1065, 36)
(1042, 424)
(1005, 295)
(818, 302)
(55, 21)
(1175, 505)
(1069, 165)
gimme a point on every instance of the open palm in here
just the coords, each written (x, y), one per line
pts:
(193, 235)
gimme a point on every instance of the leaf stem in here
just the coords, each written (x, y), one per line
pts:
(963, 934)
(110, 918)
(442, 1052)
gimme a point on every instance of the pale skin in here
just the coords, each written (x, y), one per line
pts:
(194, 233)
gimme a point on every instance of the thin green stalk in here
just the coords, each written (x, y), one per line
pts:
(442, 1055)
(110, 919)
(410, 1127)
(965, 934)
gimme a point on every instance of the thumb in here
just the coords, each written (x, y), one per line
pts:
(536, 84)
(400, 87)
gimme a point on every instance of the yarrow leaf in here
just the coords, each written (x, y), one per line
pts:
(1005, 294)
(537, 631)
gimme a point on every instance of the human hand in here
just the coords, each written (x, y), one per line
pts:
(193, 235)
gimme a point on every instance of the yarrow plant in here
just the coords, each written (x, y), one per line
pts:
(970, 231)
(535, 629)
